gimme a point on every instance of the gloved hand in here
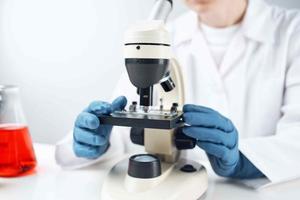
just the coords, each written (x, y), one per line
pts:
(218, 137)
(91, 139)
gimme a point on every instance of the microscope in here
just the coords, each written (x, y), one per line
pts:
(161, 173)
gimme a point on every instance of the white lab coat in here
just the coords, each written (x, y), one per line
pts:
(257, 86)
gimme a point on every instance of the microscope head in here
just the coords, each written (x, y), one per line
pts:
(147, 56)
(147, 53)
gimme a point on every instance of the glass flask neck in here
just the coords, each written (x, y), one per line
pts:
(11, 111)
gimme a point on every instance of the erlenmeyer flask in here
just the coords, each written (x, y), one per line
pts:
(16, 149)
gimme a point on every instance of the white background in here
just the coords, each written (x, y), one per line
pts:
(65, 53)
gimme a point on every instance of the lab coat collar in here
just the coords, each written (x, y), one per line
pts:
(258, 24)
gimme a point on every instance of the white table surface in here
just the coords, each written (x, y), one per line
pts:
(50, 182)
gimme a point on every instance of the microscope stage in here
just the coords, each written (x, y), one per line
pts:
(159, 120)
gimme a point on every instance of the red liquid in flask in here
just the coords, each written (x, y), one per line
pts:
(16, 151)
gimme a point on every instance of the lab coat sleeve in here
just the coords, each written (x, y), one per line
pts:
(119, 139)
(278, 156)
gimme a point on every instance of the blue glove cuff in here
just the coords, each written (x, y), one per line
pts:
(245, 169)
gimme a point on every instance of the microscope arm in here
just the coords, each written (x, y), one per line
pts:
(177, 94)
(162, 142)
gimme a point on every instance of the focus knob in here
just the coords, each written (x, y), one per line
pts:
(184, 142)
(137, 135)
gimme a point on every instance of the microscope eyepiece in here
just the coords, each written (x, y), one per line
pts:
(161, 10)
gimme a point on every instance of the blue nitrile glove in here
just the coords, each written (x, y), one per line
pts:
(218, 137)
(91, 139)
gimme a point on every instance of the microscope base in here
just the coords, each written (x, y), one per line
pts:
(173, 184)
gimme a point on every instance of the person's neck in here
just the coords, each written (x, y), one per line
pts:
(224, 15)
